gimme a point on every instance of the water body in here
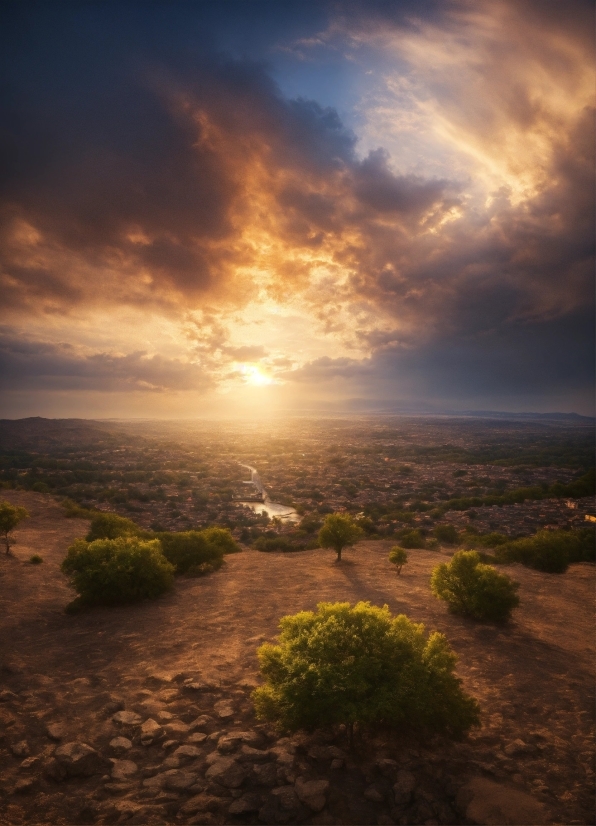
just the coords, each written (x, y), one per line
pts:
(272, 509)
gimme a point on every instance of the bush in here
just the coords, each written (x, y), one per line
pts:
(549, 551)
(74, 511)
(398, 557)
(112, 526)
(412, 539)
(446, 533)
(191, 553)
(361, 665)
(474, 589)
(221, 538)
(113, 571)
(36, 559)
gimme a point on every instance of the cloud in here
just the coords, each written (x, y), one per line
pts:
(26, 364)
(178, 180)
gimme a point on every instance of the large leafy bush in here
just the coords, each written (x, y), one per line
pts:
(474, 589)
(111, 526)
(113, 571)
(359, 664)
(550, 551)
(197, 552)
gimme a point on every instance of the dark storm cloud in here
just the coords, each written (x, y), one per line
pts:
(29, 364)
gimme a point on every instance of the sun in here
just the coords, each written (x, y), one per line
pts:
(255, 376)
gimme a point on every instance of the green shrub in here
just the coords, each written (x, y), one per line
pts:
(398, 557)
(36, 559)
(113, 571)
(221, 538)
(474, 589)
(190, 552)
(412, 539)
(361, 665)
(273, 543)
(446, 533)
(550, 551)
(74, 511)
(112, 526)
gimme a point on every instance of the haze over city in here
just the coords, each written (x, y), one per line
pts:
(239, 209)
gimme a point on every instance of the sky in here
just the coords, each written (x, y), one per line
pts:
(252, 208)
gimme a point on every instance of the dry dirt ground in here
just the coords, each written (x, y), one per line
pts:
(534, 680)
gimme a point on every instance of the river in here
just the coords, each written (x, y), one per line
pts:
(272, 509)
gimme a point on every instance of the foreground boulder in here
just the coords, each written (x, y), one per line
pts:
(485, 802)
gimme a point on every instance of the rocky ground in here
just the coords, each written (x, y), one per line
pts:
(142, 714)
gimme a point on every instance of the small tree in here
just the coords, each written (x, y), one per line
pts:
(398, 556)
(114, 571)
(10, 516)
(361, 665)
(471, 588)
(111, 526)
(339, 530)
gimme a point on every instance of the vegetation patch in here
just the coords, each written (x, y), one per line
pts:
(360, 665)
(471, 588)
(550, 551)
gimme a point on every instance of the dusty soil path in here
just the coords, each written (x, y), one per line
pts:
(534, 678)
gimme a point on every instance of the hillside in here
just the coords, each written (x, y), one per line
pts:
(192, 653)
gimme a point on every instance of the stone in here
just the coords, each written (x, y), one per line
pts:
(80, 760)
(227, 772)
(201, 723)
(56, 731)
(21, 749)
(326, 753)
(197, 737)
(373, 794)
(25, 785)
(176, 728)
(126, 718)
(173, 779)
(150, 732)
(403, 787)
(246, 803)
(164, 716)
(224, 709)
(518, 747)
(249, 755)
(200, 803)
(265, 774)
(29, 763)
(120, 745)
(312, 793)
(483, 801)
(336, 763)
(200, 685)
(123, 769)
(282, 806)
(387, 767)
(187, 752)
(230, 741)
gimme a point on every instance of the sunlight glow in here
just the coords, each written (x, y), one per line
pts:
(255, 376)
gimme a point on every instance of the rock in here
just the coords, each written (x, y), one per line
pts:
(373, 794)
(6, 695)
(123, 769)
(168, 744)
(224, 709)
(283, 757)
(120, 745)
(249, 755)
(200, 803)
(165, 716)
(203, 819)
(199, 685)
(387, 767)
(29, 763)
(174, 779)
(150, 732)
(492, 804)
(264, 775)
(403, 787)
(25, 785)
(244, 804)
(187, 752)
(312, 793)
(337, 763)
(201, 723)
(282, 806)
(126, 718)
(171, 762)
(326, 753)
(21, 749)
(197, 737)
(176, 728)
(80, 760)
(518, 747)
(56, 731)
(230, 741)
(227, 772)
